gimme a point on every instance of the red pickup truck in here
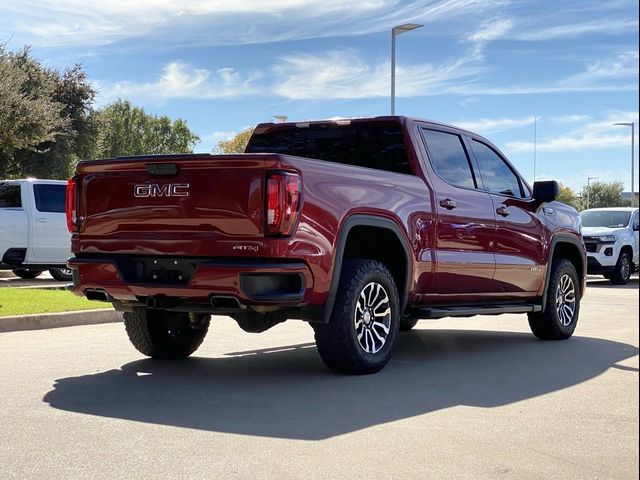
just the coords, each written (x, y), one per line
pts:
(359, 227)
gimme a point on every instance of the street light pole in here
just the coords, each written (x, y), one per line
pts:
(535, 142)
(632, 125)
(395, 31)
(589, 189)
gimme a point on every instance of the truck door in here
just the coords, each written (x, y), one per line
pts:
(50, 239)
(520, 236)
(465, 223)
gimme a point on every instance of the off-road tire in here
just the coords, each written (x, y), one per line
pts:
(61, 274)
(164, 334)
(548, 324)
(407, 322)
(26, 274)
(622, 271)
(337, 341)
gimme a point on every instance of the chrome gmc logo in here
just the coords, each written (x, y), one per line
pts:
(166, 190)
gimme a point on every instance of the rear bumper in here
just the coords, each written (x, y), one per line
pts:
(250, 283)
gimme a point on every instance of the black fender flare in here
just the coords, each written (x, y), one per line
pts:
(348, 224)
(563, 238)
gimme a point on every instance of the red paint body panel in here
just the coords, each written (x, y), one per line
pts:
(464, 255)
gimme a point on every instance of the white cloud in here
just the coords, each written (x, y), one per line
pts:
(493, 125)
(179, 80)
(491, 30)
(214, 22)
(594, 135)
(606, 26)
(571, 118)
(343, 74)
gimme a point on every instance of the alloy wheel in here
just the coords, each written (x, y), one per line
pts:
(565, 300)
(372, 317)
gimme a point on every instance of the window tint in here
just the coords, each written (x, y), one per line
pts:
(50, 198)
(10, 196)
(496, 174)
(449, 158)
(381, 147)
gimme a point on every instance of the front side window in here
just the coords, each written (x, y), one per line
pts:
(496, 174)
(635, 221)
(449, 158)
(10, 195)
(50, 198)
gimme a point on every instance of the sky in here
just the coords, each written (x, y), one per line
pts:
(523, 73)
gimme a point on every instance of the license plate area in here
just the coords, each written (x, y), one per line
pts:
(158, 270)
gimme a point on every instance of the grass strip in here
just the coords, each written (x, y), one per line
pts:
(28, 301)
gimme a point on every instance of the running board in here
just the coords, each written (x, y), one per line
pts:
(469, 311)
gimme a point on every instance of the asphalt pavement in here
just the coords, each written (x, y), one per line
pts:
(461, 398)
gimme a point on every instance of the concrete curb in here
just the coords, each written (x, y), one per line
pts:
(61, 319)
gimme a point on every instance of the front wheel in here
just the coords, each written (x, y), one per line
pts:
(360, 336)
(164, 334)
(560, 316)
(61, 274)
(622, 271)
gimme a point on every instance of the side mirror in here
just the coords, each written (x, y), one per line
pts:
(545, 191)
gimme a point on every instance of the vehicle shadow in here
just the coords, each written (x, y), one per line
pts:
(604, 283)
(288, 393)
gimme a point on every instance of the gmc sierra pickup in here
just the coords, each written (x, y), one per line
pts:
(359, 227)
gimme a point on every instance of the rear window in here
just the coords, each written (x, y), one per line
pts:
(380, 147)
(10, 195)
(50, 198)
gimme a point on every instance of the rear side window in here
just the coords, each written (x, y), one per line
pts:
(449, 158)
(374, 146)
(50, 198)
(497, 176)
(10, 196)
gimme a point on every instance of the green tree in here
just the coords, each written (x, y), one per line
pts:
(568, 196)
(236, 144)
(602, 194)
(125, 129)
(56, 158)
(32, 115)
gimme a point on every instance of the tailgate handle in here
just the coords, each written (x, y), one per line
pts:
(162, 169)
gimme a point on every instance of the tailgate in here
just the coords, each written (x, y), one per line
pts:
(183, 197)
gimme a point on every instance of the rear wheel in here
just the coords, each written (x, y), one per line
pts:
(26, 274)
(360, 336)
(164, 334)
(622, 272)
(558, 320)
(61, 274)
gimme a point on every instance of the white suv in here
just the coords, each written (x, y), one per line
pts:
(611, 238)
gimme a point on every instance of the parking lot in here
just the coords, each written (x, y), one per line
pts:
(461, 398)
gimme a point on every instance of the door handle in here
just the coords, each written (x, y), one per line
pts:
(504, 211)
(448, 204)
(41, 220)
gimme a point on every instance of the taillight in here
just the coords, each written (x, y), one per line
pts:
(71, 205)
(282, 202)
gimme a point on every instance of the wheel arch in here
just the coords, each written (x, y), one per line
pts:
(349, 233)
(569, 247)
